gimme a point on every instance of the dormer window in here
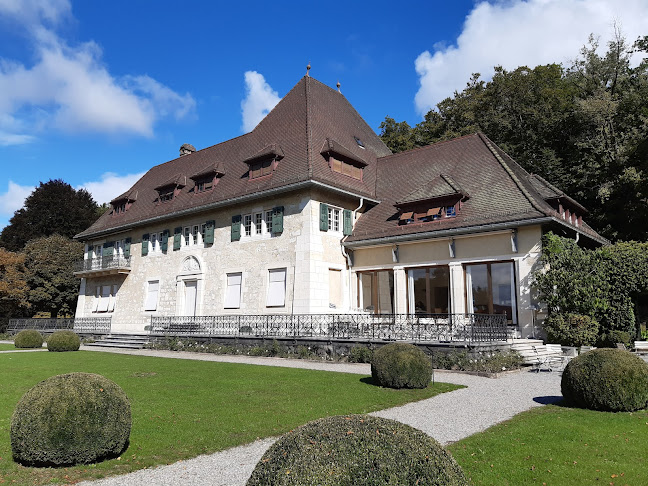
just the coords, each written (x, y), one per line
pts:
(206, 179)
(359, 142)
(342, 160)
(438, 199)
(170, 189)
(264, 162)
(121, 203)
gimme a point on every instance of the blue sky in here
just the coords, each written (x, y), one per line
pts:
(95, 93)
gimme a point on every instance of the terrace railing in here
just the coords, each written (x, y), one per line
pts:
(95, 325)
(103, 263)
(464, 328)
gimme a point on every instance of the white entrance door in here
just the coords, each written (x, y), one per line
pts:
(190, 297)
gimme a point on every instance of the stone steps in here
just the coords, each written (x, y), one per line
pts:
(125, 341)
(525, 349)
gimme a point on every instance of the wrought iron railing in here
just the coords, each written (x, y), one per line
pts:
(465, 328)
(103, 263)
(98, 325)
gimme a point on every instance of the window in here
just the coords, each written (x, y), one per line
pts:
(335, 288)
(194, 232)
(450, 211)
(261, 168)
(258, 219)
(119, 248)
(187, 234)
(276, 288)
(155, 243)
(233, 291)
(119, 208)
(152, 291)
(376, 291)
(268, 221)
(345, 168)
(204, 185)
(113, 298)
(104, 300)
(334, 219)
(490, 288)
(166, 195)
(359, 142)
(429, 290)
(247, 224)
(424, 214)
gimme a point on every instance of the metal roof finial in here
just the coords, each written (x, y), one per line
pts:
(338, 86)
(308, 69)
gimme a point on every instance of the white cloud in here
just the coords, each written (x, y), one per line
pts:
(110, 186)
(68, 87)
(14, 199)
(259, 100)
(517, 33)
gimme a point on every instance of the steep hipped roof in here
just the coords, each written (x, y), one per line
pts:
(296, 128)
(500, 190)
(439, 187)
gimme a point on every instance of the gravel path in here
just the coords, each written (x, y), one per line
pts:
(447, 417)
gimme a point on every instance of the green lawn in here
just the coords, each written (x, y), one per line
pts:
(557, 446)
(185, 408)
(7, 347)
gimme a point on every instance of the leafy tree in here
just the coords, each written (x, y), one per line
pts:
(584, 128)
(49, 263)
(606, 283)
(54, 207)
(13, 287)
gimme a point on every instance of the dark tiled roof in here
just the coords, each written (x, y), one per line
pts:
(500, 190)
(299, 125)
(441, 186)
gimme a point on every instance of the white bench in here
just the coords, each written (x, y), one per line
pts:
(641, 347)
(549, 356)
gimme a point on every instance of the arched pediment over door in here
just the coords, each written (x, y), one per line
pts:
(190, 287)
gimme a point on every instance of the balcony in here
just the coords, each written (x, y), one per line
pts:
(102, 266)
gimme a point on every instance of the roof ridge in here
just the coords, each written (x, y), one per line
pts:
(510, 172)
(309, 138)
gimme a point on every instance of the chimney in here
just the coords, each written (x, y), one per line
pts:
(187, 149)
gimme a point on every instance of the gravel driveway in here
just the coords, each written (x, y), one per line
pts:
(447, 417)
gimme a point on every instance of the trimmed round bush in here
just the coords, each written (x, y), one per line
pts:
(401, 365)
(606, 379)
(29, 338)
(571, 329)
(63, 341)
(611, 338)
(76, 418)
(356, 450)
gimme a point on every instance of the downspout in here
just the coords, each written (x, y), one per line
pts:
(345, 254)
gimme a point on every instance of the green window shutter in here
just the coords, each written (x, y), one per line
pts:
(165, 240)
(347, 217)
(277, 219)
(145, 242)
(209, 232)
(127, 244)
(236, 227)
(177, 238)
(108, 249)
(324, 217)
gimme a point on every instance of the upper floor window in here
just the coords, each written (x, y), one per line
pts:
(334, 218)
(171, 188)
(258, 224)
(346, 168)
(119, 208)
(166, 195)
(424, 214)
(205, 185)
(264, 162)
(343, 160)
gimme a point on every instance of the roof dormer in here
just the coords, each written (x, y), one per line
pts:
(440, 198)
(169, 189)
(342, 160)
(207, 178)
(123, 202)
(264, 162)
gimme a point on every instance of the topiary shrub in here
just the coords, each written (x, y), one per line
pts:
(571, 329)
(29, 338)
(63, 341)
(77, 418)
(356, 450)
(401, 365)
(360, 354)
(606, 379)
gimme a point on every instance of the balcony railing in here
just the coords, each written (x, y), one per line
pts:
(97, 325)
(464, 328)
(103, 263)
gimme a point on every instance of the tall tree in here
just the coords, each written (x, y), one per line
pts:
(583, 128)
(53, 207)
(13, 287)
(49, 263)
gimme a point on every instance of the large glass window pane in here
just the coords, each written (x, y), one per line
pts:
(419, 285)
(366, 289)
(479, 285)
(385, 292)
(502, 278)
(376, 289)
(439, 289)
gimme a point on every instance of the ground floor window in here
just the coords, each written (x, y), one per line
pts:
(233, 292)
(152, 291)
(276, 288)
(335, 288)
(490, 289)
(429, 290)
(376, 291)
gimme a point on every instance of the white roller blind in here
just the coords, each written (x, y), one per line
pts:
(233, 292)
(276, 288)
(152, 295)
(113, 297)
(105, 298)
(95, 304)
